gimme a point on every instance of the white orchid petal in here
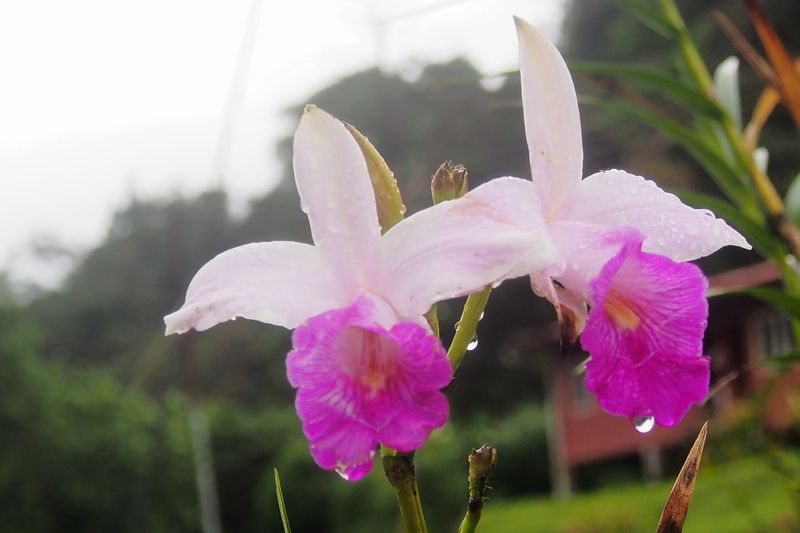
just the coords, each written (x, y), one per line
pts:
(336, 194)
(552, 123)
(671, 228)
(281, 283)
(585, 248)
(495, 232)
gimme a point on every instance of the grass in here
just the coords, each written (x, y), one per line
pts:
(748, 494)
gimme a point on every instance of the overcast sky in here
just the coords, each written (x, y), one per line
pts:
(100, 100)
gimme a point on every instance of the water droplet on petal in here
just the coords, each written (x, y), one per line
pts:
(472, 344)
(644, 424)
(343, 474)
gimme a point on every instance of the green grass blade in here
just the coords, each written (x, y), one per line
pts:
(765, 243)
(729, 180)
(281, 503)
(669, 86)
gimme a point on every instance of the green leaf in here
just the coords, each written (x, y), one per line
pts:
(728, 179)
(648, 16)
(388, 201)
(668, 86)
(787, 303)
(784, 360)
(713, 134)
(281, 503)
(767, 244)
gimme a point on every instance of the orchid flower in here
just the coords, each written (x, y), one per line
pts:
(364, 362)
(622, 240)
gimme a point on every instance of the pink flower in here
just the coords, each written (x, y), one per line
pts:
(608, 229)
(364, 362)
(645, 334)
(359, 384)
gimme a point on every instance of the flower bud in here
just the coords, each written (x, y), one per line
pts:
(449, 182)
(481, 463)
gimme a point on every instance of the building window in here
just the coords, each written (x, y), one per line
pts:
(776, 334)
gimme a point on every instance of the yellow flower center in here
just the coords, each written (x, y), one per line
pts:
(620, 310)
(378, 362)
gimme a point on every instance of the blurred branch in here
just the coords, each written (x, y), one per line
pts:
(787, 78)
(236, 91)
(750, 54)
(765, 105)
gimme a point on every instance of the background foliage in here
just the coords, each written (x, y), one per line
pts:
(94, 400)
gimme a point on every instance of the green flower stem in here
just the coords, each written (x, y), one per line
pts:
(399, 470)
(470, 522)
(467, 326)
(689, 51)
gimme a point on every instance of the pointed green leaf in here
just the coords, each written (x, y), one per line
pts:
(281, 503)
(728, 179)
(387, 195)
(667, 85)
(767, 244)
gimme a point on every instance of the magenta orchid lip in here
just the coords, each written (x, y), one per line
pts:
(645, 336)
(359, 385)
